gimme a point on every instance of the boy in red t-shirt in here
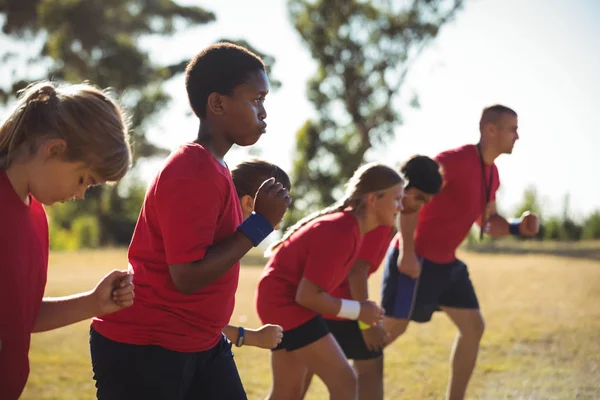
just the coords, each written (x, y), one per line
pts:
(186, 247)
(312, 259)
(422, 274)
(247, 177)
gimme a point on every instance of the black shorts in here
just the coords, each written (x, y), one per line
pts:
(127, 371)
(348, 335)
(303, 335)
(417, 299)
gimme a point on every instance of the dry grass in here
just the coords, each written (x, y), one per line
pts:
(542, 338)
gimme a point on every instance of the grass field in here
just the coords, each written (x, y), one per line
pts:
(542, 339)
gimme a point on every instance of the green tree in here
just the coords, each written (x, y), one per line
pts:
(591, 227)
(571, 229)
(364, 50)
(562, 227)
(530, 202)
(101, 41)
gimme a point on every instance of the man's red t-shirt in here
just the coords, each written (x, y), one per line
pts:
(23, 271)
(322, 251)
(372, 250)
(190, 205)
(446, 220)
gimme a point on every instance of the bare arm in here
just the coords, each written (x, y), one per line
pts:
(218, 259)
(267, 336)
(408, 262)
(62, 311)
(357, 280)
(497, 225)
(408, 225)
(113, 293)
(316, 299)
(232, 333)
(271, 202)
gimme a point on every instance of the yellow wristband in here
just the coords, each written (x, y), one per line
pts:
(363, 326)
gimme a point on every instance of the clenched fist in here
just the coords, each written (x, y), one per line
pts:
(530, 224)
(271, 201)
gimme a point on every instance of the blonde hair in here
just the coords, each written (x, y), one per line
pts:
(369, 178)
(86, 118)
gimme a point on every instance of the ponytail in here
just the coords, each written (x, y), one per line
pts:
(369, 178)
(335, 207)
(86, 118)
(25, 121)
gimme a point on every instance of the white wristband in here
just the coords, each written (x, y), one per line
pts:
(350, 309)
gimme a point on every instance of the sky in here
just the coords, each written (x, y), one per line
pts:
(539, 57)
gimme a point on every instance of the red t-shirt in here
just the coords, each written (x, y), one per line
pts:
(372, 250)
(322, 251)
(190, 205)
(23, 271)
(446, 220)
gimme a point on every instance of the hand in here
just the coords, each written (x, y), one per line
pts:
(370, 312)
(266, 337)
(376, 338)
(409, 264)
(530, 224)
(271, 201)
(114, 292)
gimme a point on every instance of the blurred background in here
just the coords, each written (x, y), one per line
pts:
(351, 81)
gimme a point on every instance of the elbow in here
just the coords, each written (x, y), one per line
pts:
(183, 287)
(182, 281)
(302, 298)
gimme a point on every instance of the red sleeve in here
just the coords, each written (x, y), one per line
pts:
(446, 162)
(328, 256)
(372, 244)
(188, 209)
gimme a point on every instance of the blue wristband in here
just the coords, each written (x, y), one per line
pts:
(256, 227)
(513, 228)
(240, 340)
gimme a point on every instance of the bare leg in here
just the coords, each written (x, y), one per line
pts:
(288, 376)
(307, 380)
(470, 326)
(326, 359)
(370, 378)
(394, 327)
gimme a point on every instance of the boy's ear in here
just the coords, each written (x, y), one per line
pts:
(215, 104)
(247, 202)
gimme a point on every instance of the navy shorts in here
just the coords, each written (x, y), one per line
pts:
(127, 371)
(349, 337)
(303, 335)
(417, 299)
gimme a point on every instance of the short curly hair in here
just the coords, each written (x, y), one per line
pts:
(219, 68)
(423, 173)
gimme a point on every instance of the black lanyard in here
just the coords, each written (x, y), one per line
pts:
(486, 186)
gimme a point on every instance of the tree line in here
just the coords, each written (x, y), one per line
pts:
(363, 51)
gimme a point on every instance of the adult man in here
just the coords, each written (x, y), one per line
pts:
(422, 272)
